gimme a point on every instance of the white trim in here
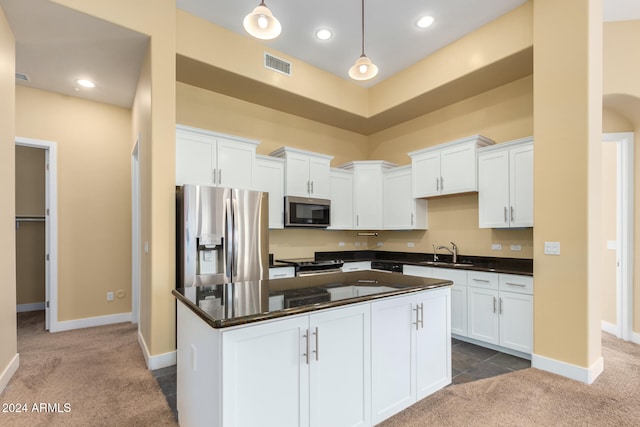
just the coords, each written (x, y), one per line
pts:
(624, 232)
(33, 306)
(89, 322)
(8, 372)
(157, 361)
(577, 373)
(51, 238)
(610, 328)
(635, 337)
(135, 232)
(495, 347)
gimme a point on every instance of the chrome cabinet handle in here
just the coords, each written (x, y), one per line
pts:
(311, 187)
(494, 305)
(500, 305)
(357, 220)
(422, 315)
(437, 184)
(512, 216)
(306, 336)
(317, 350)
(505, 214)
(280, 275)
(417, 322)
(219, 176)
(480, 280)
(441, 183)
(516, 284)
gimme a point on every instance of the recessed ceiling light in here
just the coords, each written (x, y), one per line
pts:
(323, 34)
(86, 83)
(425, 21)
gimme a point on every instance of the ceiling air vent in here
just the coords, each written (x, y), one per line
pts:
(23, 77)
(277, 64)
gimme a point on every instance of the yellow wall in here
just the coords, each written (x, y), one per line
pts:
(157, 19)
(608, 232)
(8, 339)
(30, 236)
(568, 120)
(94, 197)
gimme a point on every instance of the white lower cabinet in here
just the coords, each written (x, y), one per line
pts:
(308, 370)
(411, 350)
(500, 308)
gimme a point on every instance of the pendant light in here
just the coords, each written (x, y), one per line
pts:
(261, 23)
(363, 69)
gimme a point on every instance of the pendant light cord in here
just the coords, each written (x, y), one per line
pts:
(362, 27)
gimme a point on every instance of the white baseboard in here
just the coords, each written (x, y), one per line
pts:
(578, 373)
(610, 328)
(89, 322)
(157, 361)
(33, 306)
(8, 372)
(635, 337)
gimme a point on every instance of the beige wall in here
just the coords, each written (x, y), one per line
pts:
(94, 197)
(8, 339)
(155, 117)
(607, 256)
(30, 236)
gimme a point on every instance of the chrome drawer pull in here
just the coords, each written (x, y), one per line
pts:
(516, 284)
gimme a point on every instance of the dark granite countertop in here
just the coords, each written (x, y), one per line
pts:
(522, 266)
(241, 303)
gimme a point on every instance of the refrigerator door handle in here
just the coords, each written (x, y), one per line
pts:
(228, 240)
(236, 250)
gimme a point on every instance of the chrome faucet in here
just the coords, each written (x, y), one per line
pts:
(453, 251)
(435, 254)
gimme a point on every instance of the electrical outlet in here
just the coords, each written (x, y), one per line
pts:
(380, 244)
(410, 245)
(516, 247)
(357, 243)
(552, 248)
(340, 243)
(496, 247)
(109, 296)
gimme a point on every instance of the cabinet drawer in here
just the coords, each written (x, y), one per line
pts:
(281, 272)
(516, 283)
(356, 266)
(482, 279)
(458, 277)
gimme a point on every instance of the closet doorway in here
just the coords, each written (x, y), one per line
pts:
(36, 228)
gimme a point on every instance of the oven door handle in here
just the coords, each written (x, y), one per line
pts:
(319, 272)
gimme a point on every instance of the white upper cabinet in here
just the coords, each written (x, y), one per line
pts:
(367, 191)
(307, 174)
(400, 210)
(448, 168)
(505, 185)
(269, 176)
(341, 199)
(209, 158)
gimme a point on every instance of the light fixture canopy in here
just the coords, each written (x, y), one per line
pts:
(363, 69)
(261, 23)
(86, 83)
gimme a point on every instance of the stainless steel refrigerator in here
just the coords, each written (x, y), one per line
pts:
(222, 235)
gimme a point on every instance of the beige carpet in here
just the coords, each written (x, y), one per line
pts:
(99, 372)
(535, 398)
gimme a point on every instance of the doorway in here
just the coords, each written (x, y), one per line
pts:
(623, 243)
(49, 215)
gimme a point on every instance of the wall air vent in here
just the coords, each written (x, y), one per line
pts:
(23, 77)
(277, 64)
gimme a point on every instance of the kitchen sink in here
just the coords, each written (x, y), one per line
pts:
(447, 264)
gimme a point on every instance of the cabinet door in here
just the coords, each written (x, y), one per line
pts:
(483, 314)
(493, 190)
(521, 191)
(195, 159)
(400, 210)
(426, 175)
(235, 164)
(266, 376)
(368, 197)
(458, 169)
(393, 362)
(340, 368)
(297, 182)
(433, 342)
(320, 178)
(269, 176)
(341, 200)
(516, 321)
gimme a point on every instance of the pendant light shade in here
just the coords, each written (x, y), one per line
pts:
(261, 23)
(363, 69)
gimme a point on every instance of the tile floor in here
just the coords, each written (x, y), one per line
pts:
(469, 362)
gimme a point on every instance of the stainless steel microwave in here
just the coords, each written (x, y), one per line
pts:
(306, 212)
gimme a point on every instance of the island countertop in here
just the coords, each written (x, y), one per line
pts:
(240, 303)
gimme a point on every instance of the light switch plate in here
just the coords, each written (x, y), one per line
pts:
(552, 248)
(496, 247)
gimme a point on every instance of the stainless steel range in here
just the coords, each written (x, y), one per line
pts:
(309, 266)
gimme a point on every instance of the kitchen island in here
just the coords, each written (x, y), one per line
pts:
(344, 349)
